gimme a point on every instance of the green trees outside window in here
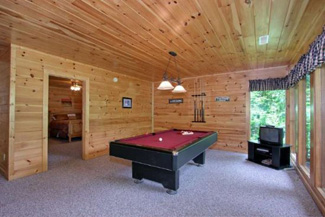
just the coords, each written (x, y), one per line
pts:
(267, 107)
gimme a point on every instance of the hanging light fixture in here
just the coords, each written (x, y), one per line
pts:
(179, 89)
(75, 86)
(166, 83)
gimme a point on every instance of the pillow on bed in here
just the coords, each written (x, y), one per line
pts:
(72, 116)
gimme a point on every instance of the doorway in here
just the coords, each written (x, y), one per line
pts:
(65, 118)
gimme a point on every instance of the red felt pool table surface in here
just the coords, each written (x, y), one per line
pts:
(171, 139)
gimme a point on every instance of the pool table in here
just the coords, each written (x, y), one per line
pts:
(158, 156)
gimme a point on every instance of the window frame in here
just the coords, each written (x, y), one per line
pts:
(314, 179)
(311, 134)
(319, 126)
(291, 117)
(302, 127)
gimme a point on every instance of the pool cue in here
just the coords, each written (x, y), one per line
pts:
(200, 116)
(196, 96)
(203, 88)
(197, 109)
(200, 100)
(194, 101)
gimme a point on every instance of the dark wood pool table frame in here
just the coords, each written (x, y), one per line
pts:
(162, 165)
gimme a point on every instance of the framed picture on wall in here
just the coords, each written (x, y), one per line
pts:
(126, 102)
(66, 102)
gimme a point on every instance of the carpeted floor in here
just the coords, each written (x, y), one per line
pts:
(227, 185)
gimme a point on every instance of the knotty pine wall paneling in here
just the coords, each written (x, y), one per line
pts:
(230, 119)
(4, 108)
(107, 119)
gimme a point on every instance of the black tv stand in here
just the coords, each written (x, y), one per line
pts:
(277, 157)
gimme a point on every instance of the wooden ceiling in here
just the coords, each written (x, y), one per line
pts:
(133, 37)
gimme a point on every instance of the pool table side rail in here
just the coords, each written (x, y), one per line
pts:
(142, 155)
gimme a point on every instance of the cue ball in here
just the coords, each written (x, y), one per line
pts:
(160, 139)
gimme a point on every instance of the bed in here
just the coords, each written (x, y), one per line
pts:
(65, 126)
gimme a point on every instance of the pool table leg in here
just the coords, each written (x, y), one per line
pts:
(168, 178)
(200, 159)
(138, 181)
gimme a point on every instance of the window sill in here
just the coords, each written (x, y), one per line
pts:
(321, 191)
(305, 170)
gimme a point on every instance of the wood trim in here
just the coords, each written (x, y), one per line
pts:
(312, 129)
(283, 67)
(322, 121)
(312, 178)
(45, 119)
(85, 117)
(12, 110)
(302, 122)
(318, 137)
(288, 112)
(96, 154)
(296, 120)
(291, 133)
(85, 112)
(248, 114)
(316, 193)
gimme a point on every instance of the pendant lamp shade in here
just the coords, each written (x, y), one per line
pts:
(165, 85)
(179, 89)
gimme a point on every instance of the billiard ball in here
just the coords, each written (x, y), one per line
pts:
(160, 139)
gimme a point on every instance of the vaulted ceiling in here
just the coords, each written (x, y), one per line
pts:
(133, 37)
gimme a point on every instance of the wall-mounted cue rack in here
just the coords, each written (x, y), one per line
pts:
(198, 102)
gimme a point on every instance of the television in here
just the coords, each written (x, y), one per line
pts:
(271, 135)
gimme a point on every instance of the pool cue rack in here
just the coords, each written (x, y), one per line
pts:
(199, 112)
(198, 95)
(198, 101)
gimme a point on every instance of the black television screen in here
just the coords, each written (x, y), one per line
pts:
(271, 135)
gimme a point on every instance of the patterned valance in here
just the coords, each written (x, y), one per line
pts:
(308, 62)
(268, 84)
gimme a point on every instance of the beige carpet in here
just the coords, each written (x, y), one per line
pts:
(227, 185)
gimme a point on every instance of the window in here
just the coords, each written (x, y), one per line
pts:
(294, 124)
(297, 117)
(308, 122)
(267, 107)
(321, 118)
